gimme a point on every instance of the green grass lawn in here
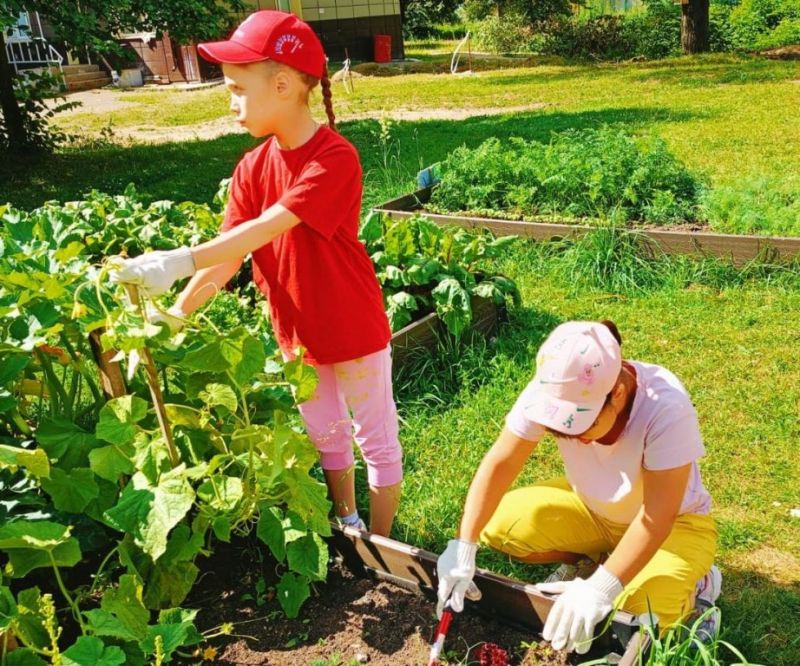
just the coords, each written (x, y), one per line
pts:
(732, 119)
(734, 351)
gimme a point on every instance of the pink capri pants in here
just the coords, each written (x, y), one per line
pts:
(354, 400)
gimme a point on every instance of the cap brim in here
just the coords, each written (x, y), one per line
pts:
(229, 51)
(561, 415)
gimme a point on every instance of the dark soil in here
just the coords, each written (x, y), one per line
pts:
(346, 621)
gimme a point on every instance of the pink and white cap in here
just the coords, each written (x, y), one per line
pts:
(576, 368)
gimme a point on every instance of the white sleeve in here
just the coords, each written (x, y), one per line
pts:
(673, 439)
(521, 425)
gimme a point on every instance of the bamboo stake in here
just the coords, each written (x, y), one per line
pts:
(111, 377)
(151, 377)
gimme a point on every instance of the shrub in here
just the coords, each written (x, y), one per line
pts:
(653, 32)
(720, 33)
(759, 24)
(785, 33)
(533, 11)
(512, 33)
(421, 17)
(656, 32)
(602, 37)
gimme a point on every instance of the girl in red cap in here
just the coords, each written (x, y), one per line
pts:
(294, 205)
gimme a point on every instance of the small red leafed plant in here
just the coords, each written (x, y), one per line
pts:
(491, 654)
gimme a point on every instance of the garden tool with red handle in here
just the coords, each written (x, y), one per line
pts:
(441, 633)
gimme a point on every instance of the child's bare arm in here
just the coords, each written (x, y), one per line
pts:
(205, 283)
(155, 272)
(245, 238)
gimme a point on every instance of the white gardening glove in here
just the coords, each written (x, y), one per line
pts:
(582, 604)
(173, 317)
(155, 272)
(455, 569)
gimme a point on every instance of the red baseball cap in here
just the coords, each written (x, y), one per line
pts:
(270, 35)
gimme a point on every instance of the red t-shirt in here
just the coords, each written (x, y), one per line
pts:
(319, 281)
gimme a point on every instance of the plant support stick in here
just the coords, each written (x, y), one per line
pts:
(151, 376)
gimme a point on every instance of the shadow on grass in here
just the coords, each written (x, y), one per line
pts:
(703, 75)
(435, 380)
(191, 170)
(186, 171)
(760, 616)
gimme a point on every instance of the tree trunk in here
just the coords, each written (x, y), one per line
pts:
(8, 102)
(694, 26)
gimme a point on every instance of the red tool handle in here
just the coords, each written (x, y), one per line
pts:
(441, 633)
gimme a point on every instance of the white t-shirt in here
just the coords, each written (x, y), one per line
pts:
(662, 433)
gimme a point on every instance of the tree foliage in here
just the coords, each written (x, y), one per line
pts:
(533, 10)
(93, 25)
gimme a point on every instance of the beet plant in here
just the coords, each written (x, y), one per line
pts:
(426, 268)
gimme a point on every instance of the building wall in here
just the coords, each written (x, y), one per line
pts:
(165, 61)
(345, 24)
(356, 35)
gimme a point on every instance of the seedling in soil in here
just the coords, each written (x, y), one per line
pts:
(301, 637)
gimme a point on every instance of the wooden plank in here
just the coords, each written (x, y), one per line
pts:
(485, 316)
(421, 333)
(408, 202)
(111, 377)
(738, 248)
(511, 601)
(425, 332)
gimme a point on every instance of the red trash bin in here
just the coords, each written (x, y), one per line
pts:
(383, 48)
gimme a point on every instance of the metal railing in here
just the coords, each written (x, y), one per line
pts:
(32, 51)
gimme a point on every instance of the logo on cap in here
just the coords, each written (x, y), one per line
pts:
(287, 43)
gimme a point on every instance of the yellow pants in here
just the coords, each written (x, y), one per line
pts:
(549, 516)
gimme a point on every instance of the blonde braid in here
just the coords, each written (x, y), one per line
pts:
(325, 85)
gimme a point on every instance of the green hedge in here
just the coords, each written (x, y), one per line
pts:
(652, 31)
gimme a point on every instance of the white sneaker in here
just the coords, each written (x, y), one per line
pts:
(706, 594)
(584, 568)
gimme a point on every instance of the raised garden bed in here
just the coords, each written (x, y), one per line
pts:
(377, 607)
(424, 333)
(436, 281)
(739, 249)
